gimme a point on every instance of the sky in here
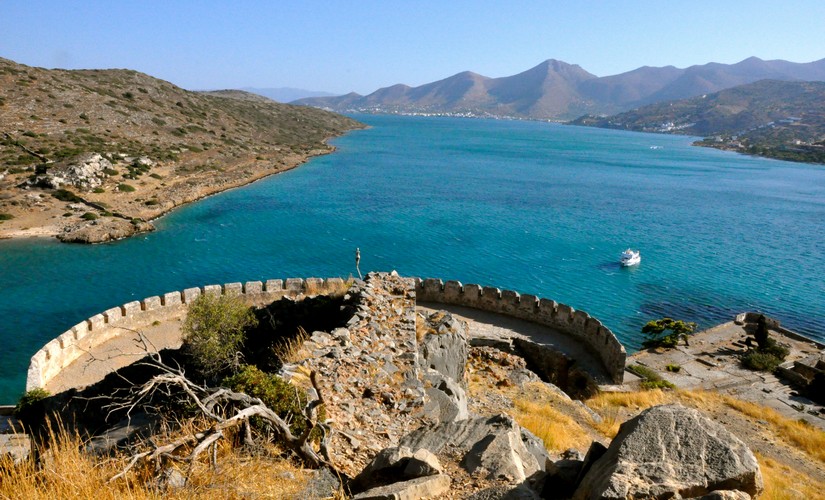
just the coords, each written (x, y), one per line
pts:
(363, 45)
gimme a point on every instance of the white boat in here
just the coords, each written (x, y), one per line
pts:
(630, 258)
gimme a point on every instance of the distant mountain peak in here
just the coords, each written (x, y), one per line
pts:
(558, 90)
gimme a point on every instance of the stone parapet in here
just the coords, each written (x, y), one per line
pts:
(100, 328)
(578, 324)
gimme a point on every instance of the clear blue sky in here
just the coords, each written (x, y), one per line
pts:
(362, 45)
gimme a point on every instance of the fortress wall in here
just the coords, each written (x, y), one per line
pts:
(563, 318)
(136, 315)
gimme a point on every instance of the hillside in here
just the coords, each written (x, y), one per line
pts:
(120, 147)
(784, 120)
(555, 90)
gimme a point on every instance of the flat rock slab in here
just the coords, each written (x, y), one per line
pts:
(414, 489)
(711, 362)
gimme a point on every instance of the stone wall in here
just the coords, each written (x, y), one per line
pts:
(560, 317)
(100, 328)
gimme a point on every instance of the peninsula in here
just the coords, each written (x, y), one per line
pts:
(94, 155)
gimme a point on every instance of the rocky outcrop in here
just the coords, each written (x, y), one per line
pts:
(443, 352)
(85, 172)
(103, 230)
(494, 446)
(671, 451)
(396, 464)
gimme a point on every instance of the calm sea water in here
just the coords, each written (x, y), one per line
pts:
(539, 208)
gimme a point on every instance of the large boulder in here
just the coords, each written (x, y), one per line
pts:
(442, 344)
(494, 444)
(671, 451)
(396, 464)
(447, 400)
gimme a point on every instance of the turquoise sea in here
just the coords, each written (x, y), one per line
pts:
(535, 207)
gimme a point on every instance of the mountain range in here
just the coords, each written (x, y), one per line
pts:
(556, 90)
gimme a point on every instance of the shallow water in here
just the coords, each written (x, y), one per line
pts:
(540, 208)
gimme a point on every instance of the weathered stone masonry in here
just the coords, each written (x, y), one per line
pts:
(563, 318)
(100, 328)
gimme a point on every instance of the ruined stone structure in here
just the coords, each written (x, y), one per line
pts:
(137, 315)
(563, 318)
(100, 328)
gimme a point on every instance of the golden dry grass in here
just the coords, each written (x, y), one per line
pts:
(785, 483)
(68, 472)
(291, 350)
(535, 410)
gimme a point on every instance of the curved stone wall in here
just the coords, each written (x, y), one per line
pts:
(100, 328)
(563, 318)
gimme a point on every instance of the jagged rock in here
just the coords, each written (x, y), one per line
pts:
(322, 483)
(84, 172)
(393, 464)
(170, 479)
(448, 401)
(726, 495)
(444, 347)
(536, 448)
(520, 492)
(493, 443)
(413, 489)
(669, 451)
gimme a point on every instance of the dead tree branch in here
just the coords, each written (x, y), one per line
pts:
(227, 410)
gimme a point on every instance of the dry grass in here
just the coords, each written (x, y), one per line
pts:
(535, 410)
(794, 433)
(291, 350)
(785, 483)
(68, 472)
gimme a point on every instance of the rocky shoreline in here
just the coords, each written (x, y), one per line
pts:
(37, 213)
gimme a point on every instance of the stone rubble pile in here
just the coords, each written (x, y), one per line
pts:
(395, 384)
(85, 172)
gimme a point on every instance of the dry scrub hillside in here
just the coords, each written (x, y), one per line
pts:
(166, 145)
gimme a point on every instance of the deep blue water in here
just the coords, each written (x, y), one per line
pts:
(539, 208)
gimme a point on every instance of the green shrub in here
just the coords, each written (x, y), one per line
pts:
(98, 190)
(125, 188)
(66, 195)
(214, 331)
(4, 216)
(110, 171)
(89, 216)
(285, 399)
(760, 361)
(30, 409)
(151, 202)
(156, 176)
(652, 380)
(673, 368)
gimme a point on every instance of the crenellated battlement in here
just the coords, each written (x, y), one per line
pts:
(561, 317)
(100, 328)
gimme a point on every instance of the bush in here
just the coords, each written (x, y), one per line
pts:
(655, 331)
(125, 188)
(66, 195)
(214, 331)
(652, 380)
(30, 408)
(89, 216)
(285, 399)
(760, 361)
(4, 216)
(98, 190)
